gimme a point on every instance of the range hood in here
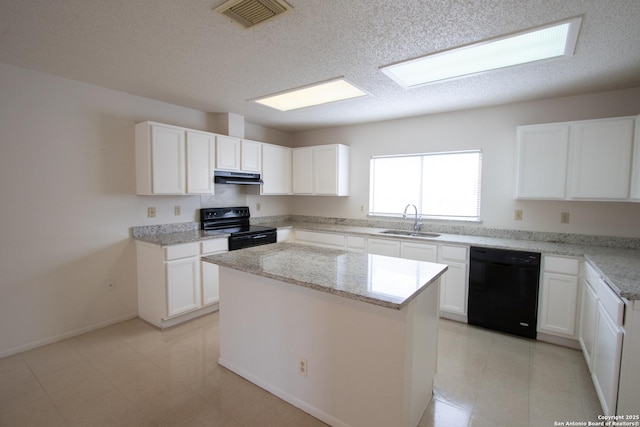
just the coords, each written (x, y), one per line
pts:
(230, 177)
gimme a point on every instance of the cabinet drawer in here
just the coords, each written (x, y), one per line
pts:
(562, 265)
(214, 245)
(356, 243)
(181, 251)
(454, 253)
(322, 239)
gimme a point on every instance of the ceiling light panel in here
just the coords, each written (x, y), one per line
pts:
(317, 94)
(551, 41)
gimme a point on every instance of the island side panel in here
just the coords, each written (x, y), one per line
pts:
(355, 352)
(421, 352)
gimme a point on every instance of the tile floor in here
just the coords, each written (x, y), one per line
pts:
(131, 374)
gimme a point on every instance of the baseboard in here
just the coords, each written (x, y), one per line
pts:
(168, 323)
(452, 316)
(565, 342)
(300, 404)
(67, 335)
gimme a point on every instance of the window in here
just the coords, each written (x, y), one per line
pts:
(441, 185)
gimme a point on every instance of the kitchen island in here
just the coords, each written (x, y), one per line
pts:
(350, 338)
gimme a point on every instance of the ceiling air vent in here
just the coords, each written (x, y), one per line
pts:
(251, 12)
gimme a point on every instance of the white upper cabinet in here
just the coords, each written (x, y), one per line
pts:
(321, 170)
(276, 169)
(235, 154)
(542, 161)
(201, 156)
(228, 153)
(303, 170)
(601, 159)
(331, 170)
(251, 156)
(173, 160)
(160, 159)
(586, 160)
(635, 174)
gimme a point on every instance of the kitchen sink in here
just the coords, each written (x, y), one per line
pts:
(426, 235)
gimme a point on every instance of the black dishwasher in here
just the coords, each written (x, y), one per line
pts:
(503, 290)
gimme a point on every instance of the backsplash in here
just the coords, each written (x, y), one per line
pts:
(390, 223)
(150, 230)
(541, 236)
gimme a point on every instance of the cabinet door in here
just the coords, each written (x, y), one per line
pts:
(606, 361)
(558, 298)
(276, 169)
(542, 152)
(251, 156)
(303, 170)
(167, 159)
(210, 283)
(635, 168)
(419, 251)
(453, 289)
(325, 168)
(383, 247)
(201, 155)
(183, 285)
(588, 320)
(227, 153)
(601, 159)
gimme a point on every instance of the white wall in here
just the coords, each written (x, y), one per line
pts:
(494, 131)
(67, 188)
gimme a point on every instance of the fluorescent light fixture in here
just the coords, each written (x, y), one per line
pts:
(550, 41)
(316, 94)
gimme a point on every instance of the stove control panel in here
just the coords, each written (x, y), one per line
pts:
(212, 214)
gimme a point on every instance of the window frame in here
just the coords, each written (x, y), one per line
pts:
(456, 218)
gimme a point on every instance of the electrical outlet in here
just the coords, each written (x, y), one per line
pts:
(109, 284)
(257, 206)
(151, 212)
(177, 210)
(518, 215)
(303, 367)
(361, 208)
(564, 218)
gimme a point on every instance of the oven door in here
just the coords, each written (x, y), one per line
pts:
(249, 240)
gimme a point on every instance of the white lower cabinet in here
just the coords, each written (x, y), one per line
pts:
(384, 247)
(558, 296)
(601, 336)
(606, 360)
(210, 272)
(326, 240)
(174, 285)
(284, 234)
(588, 321)
(419, 251)
(183, 283)
(454, 284)
(355, 243)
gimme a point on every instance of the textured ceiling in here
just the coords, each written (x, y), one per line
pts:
(181, 52)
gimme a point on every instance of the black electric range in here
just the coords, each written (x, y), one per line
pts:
(235, 222)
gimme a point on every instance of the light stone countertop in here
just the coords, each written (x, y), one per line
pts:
(168, 239)
(385, 281)
(619, 267)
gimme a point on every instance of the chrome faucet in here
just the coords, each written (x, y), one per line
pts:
(418, 222)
